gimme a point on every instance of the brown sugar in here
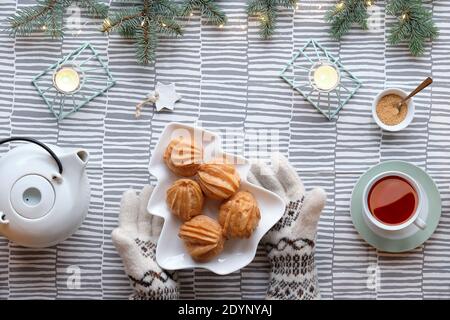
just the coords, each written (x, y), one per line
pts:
(387, 111)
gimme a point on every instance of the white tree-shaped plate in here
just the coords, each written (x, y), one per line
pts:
(170, 252)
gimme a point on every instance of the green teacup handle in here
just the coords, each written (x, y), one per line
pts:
(420, 223)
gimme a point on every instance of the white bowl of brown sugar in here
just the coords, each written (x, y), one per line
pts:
(386, 113)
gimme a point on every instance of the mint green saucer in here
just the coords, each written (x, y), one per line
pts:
(412, 241)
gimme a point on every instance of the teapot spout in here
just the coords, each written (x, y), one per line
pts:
(75, 159)
(83, 156)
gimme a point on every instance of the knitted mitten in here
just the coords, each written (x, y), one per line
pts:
(135, 239)
(290, 243)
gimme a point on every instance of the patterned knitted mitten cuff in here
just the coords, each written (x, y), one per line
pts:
(153, 284)
(135, 240)
(293, 275)
(290, 243)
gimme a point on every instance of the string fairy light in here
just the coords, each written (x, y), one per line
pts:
(107, 24)
(340, 5)
(242, 24)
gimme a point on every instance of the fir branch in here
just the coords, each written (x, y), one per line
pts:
(126, 31)
(414, 25)
(54, 24)
(169, 27)
(266, 11)
(207, 8)
(144, 22)
(146, 42)
(345, 14)
(126, 18)
(95, 8)
(28, 20)
(165, 8)
(47, 16)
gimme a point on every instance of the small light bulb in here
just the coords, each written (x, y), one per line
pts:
(340, 5)
(191, 14)
(369, 3)
(44, 27)
(221, 26)
(164, 25)
(142, 23)
(106, 25)
(404, 16)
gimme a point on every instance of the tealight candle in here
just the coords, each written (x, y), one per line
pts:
(326, 77)
(66, 80)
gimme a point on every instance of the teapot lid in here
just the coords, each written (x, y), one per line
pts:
(32, 196)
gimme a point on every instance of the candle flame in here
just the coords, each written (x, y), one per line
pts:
(66, 80)
(326, 77)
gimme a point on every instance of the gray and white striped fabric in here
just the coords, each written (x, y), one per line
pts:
(229, 80)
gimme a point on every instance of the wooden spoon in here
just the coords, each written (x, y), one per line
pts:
(419, 88)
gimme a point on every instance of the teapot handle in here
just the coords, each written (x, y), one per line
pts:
(31, 140)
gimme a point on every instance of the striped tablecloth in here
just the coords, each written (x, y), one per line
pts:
(229, 79)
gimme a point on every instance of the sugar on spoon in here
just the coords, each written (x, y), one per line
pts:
(419, 88)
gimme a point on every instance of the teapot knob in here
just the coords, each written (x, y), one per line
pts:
(3, 219)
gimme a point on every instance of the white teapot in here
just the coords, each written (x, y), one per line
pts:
(44, 193)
